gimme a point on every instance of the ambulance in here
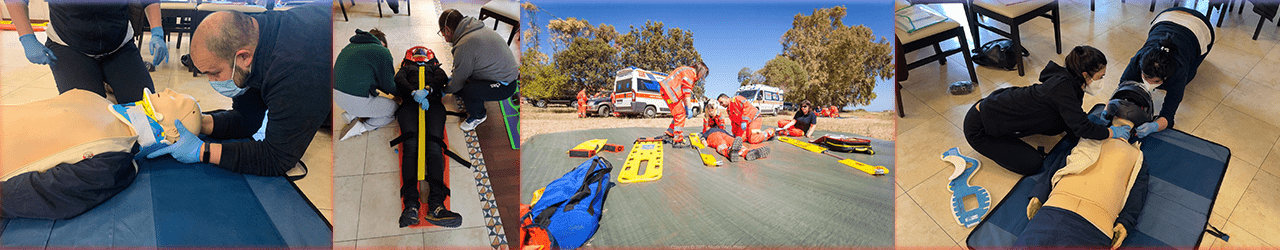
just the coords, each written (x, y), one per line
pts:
(639, 92)
(767, 99)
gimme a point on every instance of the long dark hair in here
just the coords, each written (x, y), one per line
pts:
(1158, 61)
(1085, 59)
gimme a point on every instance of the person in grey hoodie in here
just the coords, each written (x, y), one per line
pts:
(483, 67)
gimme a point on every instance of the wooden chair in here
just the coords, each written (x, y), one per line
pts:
(1015, 15)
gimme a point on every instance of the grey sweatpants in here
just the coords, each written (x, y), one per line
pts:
(379, 110)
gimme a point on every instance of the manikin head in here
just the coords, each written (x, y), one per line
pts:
(172, 106)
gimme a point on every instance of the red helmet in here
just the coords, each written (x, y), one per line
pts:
(421, 55)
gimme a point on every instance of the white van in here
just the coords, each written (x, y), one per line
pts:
(767, 99)
(638, 91)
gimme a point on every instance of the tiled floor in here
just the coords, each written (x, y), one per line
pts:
(22, 82)
(1226, 103)
(367, 177)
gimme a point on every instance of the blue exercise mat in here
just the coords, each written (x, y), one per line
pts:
(172, 204)
(1186, 173)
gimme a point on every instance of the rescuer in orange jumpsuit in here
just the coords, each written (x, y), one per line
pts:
(714, 133)
(582, 103)
(677, 91)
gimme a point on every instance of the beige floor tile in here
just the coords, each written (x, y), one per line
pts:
(379, 156)
(345, 245)
(1248, 138)
(318, 185)
(1232, 60)
(920, 150)
(380, 206)
(1266, 73)
(1239, 175)
(460, 237)
(1192, 111)
(463, 198)
(407, 241)
(28, 94)
(349, 155)
(916, 112)
(1214, 82)
(1241, 39)
(1272, 163)
(1246, 97)
(1240, 238)
(347, 191)
(1258, 211)
(935, 95)
(934, 198)
(917, 229)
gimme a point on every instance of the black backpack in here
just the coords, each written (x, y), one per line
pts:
(997, 53)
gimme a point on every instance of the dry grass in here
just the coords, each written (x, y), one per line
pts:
(536, 121)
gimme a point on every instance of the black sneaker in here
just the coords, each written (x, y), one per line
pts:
(410, 216)
(758, 153)
(680, 144)
(440, 216)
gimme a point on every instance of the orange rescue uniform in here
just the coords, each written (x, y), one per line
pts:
(582, 103)
(745, 119)
(677, 87)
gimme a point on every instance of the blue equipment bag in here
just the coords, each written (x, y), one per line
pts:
(569, 209)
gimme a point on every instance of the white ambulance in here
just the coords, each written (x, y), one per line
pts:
(767, 99)
(638, 92)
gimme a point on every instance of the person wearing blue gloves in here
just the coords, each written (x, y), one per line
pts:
(484, 70)
(274, 66)
(995, 125)
(90, 43)
(421, 62)
(1178, 40)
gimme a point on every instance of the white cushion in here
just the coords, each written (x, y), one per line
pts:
(177, 6)
(1011, 8)
(506, 8)
(236, 7)
(934, 29)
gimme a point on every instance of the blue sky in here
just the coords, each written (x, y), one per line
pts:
(728, 34)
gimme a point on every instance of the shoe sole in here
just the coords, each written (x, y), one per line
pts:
(445, 222)
(757, 154)
(463, 126)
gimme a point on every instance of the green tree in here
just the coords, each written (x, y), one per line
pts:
(653, 47)
(539, 79)
(789, 75)
(563, 31)
(587, 62)
(843, 62)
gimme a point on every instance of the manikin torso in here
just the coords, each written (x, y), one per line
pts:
(49, 130)
(1098, 192)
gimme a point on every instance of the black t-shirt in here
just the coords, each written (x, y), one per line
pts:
(805, 120)
(91, 27)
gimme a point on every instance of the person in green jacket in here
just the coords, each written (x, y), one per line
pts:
(363, 68)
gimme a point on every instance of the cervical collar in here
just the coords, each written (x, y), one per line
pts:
(141, 116)
(959, 187)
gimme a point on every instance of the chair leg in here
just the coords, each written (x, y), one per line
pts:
(937, 50)
(379, 8)
(1241, 10)
(1017, 48)
(344, 10)
(968, 60)
(1222, 13)
(179, 40)
(897, 92)
(1259, 29)
(974, 28)
(408, 8)
(1091, 4)
(1057, 27)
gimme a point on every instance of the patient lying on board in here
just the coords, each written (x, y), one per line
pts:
(1095, 199)
(65, 155)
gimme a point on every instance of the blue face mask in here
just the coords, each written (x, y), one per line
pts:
(228, 87)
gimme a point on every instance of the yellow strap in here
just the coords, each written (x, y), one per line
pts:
(422, 128)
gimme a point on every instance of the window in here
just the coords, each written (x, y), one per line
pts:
(749, 94)
(622, 86)
(649, 85)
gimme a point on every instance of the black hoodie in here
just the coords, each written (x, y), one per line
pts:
(1051, 107)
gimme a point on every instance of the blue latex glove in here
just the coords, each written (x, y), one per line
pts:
(421, 97)
(186, 150)
(159, 49)
(1120, 132)
(1147, 128)
(688, 112)
(37, 53)
(1099, 118)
